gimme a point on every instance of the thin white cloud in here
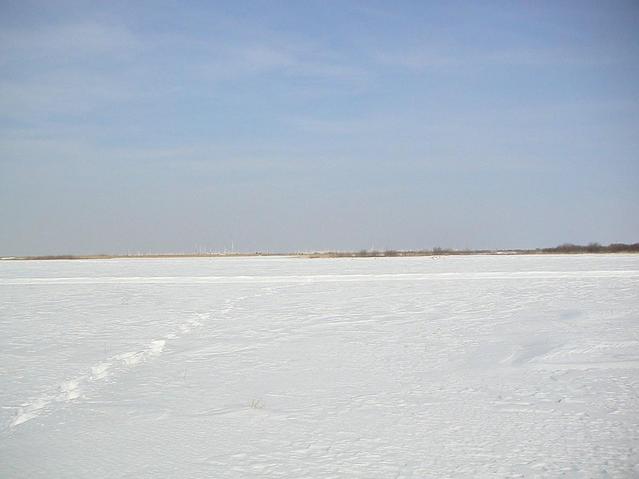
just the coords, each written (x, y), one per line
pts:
(69, 41)
(245, 60)
(449, 57)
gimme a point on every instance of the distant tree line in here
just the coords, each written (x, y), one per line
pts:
(594, 248)
(566, 248)
(393, 253)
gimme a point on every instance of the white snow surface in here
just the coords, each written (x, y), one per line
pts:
(469, 366)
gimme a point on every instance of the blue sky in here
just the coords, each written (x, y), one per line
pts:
(285, 126)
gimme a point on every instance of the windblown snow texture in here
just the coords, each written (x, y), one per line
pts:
(478, 366)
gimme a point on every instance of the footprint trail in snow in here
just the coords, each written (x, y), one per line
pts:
(71, 390)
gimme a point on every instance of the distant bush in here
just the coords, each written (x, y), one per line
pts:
(593, 248)
(623, 248)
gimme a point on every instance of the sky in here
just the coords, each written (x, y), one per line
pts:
(171, 127)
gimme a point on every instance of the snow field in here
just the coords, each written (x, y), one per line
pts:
(284, 367)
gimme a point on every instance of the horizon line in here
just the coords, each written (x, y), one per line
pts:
(565, 248)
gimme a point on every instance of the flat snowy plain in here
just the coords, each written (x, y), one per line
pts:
(476, 366)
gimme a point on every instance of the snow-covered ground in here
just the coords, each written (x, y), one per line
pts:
(479, 366)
